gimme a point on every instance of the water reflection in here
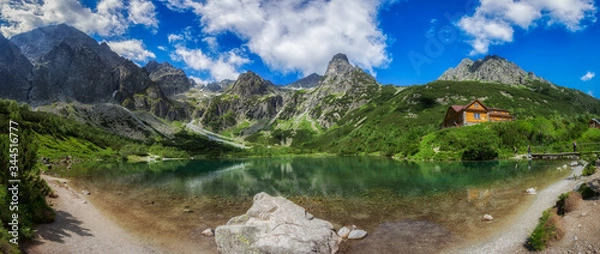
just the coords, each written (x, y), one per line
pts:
(326, 177)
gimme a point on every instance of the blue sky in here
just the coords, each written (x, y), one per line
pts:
(401, 42)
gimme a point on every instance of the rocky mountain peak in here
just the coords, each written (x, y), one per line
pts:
(250, 84)
(170, 79)
(339, 65)
(38, 42)
(307, 82)
(217, 87)
(491, 68)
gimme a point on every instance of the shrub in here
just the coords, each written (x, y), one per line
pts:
(589, 170)
(586, 191)
(568, 202)
(549, 229)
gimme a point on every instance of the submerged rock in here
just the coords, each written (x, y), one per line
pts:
(276, 225)
(343, 232)
(488, 217)
(208, 232)
(530, 191)
(357, 234)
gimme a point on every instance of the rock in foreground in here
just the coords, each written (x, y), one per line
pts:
(276, 225)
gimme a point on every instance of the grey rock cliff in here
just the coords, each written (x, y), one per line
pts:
(250, 98)
(307, 82)
(217, 87)
(276, 225)
(343, 88)
(490, 69)
(15, 72)
(170, 79)
(59, 63)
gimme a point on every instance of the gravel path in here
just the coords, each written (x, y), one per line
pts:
(81, 228)
(512, 238)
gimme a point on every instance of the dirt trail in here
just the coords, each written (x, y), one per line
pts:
(81, 228)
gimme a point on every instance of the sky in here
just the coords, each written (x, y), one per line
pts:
(400, 42)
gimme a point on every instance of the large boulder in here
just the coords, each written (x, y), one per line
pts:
(276, 225)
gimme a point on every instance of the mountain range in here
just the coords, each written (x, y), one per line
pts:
(64, 71)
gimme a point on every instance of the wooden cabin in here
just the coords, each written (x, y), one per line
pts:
(473, 113)
(594, 123)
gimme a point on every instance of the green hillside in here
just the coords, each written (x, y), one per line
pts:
(397, 123)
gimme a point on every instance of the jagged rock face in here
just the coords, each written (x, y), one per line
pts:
(250, 84)
(307, 82)
(343, 88)
(15, 72)
(490, 69)
(170, 79)
(250, 98)
(217, 87)
(67, 65)
(36, 43)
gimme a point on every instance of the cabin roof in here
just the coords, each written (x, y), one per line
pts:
(595, 120)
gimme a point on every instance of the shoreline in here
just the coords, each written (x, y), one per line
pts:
(130, 228)
(512, 238)
(80, 227)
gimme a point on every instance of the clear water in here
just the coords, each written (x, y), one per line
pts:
(363, 191)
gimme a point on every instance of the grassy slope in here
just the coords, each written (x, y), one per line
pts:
(396, 123)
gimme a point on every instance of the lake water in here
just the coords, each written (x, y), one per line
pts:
(397, 202)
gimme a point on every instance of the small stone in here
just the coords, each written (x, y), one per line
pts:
(357, 234)
(583, 214)
(343, 232)
(531, 191)
(84, 202)
(188, 211)
(208, 232)
(488, 217)
(85, 192)
(575, 238)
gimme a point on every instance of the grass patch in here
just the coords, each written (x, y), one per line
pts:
(589, 170)
(549, 229)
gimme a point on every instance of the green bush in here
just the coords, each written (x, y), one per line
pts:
(589, 170)
(548, 229)
(586, 192)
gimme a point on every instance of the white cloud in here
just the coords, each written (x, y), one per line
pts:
(494, 20)
(175, 37)
(143, 12)
(298, 35)
(590, 93)
(162, 48)
(224, 66)
(111, 17)
(131, 49)
(588, 76)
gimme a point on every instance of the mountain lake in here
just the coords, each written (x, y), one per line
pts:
(405, 206)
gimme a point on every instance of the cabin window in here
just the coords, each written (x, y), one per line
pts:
(477, 116)
(476, 105)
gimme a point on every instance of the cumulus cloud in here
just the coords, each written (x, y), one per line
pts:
(131, 49)
(298, 35)
(588, 76)
(111, 17)
(223, 66)
(494, 20)
(143, 12)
